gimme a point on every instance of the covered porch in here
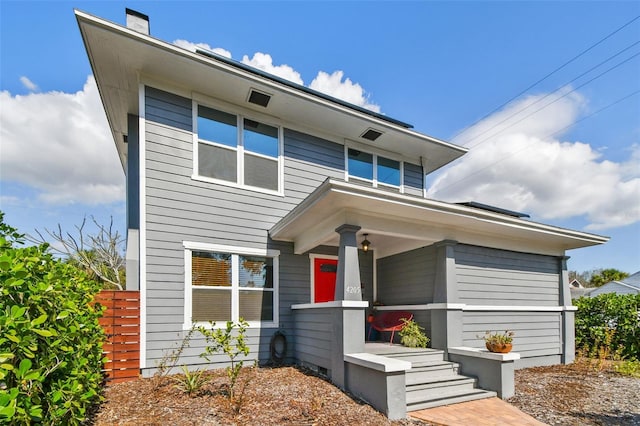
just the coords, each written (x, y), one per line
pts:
(416, 251)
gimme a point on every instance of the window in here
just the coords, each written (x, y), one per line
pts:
(236, 150)
(228, 283)
(373, 167)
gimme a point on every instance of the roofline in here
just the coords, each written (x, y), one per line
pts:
(300, 87)
(440, 206)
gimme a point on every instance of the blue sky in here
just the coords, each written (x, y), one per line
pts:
(440, 66)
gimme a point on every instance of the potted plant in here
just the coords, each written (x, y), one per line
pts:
(499, 342)
(412, 336)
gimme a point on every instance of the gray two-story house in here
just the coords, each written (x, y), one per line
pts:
(249, 196)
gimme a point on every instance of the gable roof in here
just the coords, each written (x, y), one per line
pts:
(122, 59)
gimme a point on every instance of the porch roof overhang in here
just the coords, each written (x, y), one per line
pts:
(122, 59)
(397, 223)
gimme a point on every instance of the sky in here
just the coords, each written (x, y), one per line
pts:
(545, 94)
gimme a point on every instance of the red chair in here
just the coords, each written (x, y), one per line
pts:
(390, 321)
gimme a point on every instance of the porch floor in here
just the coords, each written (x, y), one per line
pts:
(382, 348)
(483, 412)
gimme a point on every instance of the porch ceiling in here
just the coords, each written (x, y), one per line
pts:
(397, 223)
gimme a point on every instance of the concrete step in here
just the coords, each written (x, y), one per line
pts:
(427, 372)
(438, 387)
(453, 398)
(418, 356)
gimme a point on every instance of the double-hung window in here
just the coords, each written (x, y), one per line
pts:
(236, 150)
(375, 168)
(228, 283)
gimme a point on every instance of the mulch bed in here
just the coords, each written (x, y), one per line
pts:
(576, 394)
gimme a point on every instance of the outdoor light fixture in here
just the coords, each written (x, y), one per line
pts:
(365, 243)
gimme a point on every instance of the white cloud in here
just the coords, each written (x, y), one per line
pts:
(28, 84)
(193, 46)
(60, 145)
(346, 90)
(525, 169)
(264, 62)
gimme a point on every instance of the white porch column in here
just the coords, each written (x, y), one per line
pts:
(568, 317)
(348, 276)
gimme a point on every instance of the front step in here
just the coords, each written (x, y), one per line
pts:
(432, 381)
(454, 398)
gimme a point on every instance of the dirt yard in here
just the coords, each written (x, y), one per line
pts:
(566, 395)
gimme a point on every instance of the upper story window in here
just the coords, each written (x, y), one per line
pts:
(235, 150)
(372, 167)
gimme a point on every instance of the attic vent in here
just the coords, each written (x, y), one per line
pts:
(259, 98)
(371, 135)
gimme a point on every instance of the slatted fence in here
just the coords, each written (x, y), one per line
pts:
(121, 324)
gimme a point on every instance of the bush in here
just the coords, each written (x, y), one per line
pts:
(50, 339)
(611, 321)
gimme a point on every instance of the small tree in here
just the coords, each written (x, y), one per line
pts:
(101, 255)
(604, 276)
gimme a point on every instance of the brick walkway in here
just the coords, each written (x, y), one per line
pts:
(483, 412)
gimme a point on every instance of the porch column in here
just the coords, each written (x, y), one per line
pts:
(568, 331)
(446, 317)
(348, 276)
(348, 316)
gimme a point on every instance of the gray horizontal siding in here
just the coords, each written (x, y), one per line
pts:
(536, 333)
(487, 276)
(407, 278)
(413, 179)
(313, 334)
(179, 208)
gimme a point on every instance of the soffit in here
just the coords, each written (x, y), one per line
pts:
(120, 57)
(397, 223)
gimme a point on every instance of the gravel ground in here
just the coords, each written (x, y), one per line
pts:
(578, 395)
(557, 395)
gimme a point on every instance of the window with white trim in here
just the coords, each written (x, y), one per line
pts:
(374, 168)
(228, 283)
(236, 150)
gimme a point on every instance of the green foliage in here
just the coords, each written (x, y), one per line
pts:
(498, 338)
(190, 382)
(610, 320)
(604, 276)
(629, 368)
(412, 335)
(50, 339)
(223, 339)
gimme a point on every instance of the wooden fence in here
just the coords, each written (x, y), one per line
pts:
(121, 324)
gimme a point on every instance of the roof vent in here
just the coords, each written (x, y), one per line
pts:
(259, 98)
(371, 134)
(137, 21)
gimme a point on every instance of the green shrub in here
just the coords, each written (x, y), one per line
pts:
(50, 339)
(611, 321)
(412, 335)
(190, 382)
(223, 339)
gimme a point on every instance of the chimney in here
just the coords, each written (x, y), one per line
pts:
(137, 21)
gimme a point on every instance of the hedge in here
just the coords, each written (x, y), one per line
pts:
(609, 312)
(50, 339)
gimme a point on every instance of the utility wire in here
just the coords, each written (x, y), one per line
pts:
(549, 135)
(549, 94)
(556, 99)
(547, 76)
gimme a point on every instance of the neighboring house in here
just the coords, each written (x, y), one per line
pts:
(629, 285)
(577, 293)
(249, 196)
(575, 283)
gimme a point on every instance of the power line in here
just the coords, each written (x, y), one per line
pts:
(549, 94)
(556, 99)
(549, 135)
(547, 76)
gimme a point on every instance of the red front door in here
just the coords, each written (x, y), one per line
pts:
(324, 273)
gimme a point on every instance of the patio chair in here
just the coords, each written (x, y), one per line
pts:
(390, 321)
